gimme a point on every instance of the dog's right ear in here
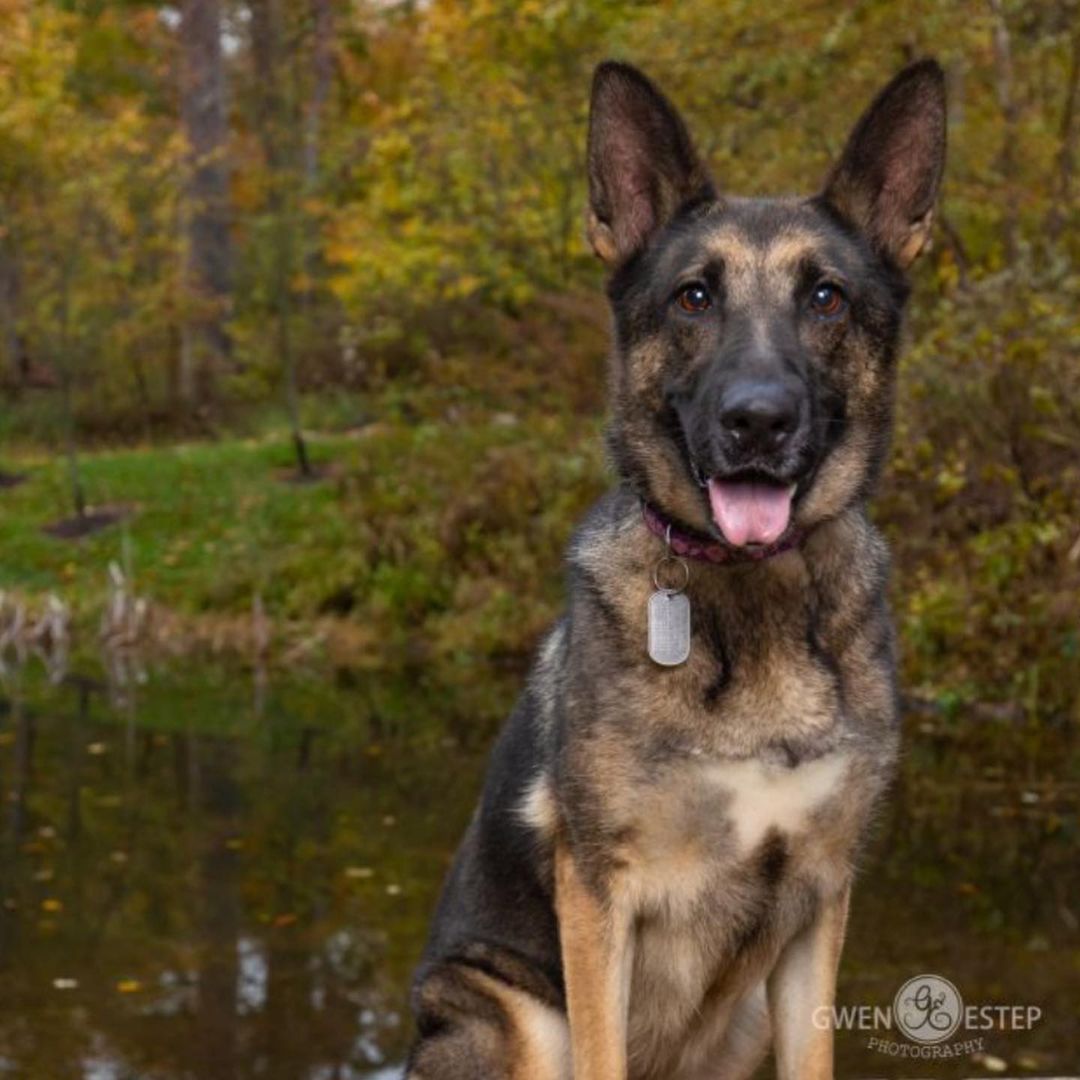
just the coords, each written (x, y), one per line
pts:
(642, 164)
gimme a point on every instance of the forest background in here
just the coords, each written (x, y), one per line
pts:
(301, 345)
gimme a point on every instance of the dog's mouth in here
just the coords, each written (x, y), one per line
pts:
(749, 508)
(750, 511)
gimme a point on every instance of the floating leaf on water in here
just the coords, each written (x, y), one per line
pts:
(1032, 1060)
(990, 1062)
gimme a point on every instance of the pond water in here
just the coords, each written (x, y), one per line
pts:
(211, 875)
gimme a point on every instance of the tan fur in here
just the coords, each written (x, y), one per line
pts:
(600, 238)
(541, 1038)
(538, 809)
(804, 981)
(512, 1035)
(753, 273)
(842, 473)
(596, 955)
(736, 1045)
(917, 241)
(768, 796)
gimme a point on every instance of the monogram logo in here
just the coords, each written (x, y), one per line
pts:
(928, 1008)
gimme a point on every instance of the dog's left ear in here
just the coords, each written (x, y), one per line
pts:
(887, 179)
(642, 164)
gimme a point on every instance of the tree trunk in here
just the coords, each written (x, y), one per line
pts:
(276, 121)
(322, 70)
(1003, 71)
(208, 258)
(1066, 157)
(15, 358)
(65, 353)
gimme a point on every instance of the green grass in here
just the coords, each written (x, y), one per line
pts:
(210, 520)
(439, 536)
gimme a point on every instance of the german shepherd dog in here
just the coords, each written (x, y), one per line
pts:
(655, 883)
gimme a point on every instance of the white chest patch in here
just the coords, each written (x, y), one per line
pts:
(769, 796)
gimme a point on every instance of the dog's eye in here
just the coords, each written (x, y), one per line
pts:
(827, 301)
(694, 298)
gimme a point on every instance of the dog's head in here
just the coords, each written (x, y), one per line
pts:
(755, 339)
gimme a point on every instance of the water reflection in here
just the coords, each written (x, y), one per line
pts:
(183, 903)
(202, 881)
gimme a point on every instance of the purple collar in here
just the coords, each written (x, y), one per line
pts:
(688, 546)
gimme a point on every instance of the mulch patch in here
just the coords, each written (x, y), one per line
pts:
(75, 528)
(293, 475)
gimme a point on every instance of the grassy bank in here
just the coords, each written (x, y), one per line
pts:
(433, 540)
(423, 539)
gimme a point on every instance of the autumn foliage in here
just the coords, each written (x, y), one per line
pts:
(384, 201)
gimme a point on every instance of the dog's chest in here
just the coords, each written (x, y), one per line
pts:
(702, 827)
(722, 863)
(731, 768)
(761, 798)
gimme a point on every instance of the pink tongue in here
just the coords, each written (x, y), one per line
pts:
(750, 513)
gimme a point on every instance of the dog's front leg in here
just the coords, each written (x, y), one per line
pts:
(802, 990)
(597, 956)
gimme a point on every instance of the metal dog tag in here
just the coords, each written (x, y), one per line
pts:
(669, 627)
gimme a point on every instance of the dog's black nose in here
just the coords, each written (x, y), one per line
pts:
(758, 417)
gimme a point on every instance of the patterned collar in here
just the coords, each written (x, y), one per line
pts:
(692, 546)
